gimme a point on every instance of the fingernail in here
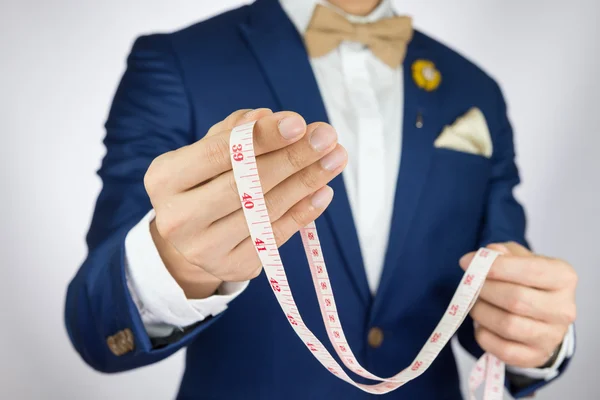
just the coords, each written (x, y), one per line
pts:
(322, 197)
(334, 160)
(323, 137)
(291, 127)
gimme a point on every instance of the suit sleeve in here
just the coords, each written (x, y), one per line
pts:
(150, 115)
(504, 221)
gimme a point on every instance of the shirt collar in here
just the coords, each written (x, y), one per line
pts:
(300, 12)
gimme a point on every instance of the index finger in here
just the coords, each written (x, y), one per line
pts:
(201, 161)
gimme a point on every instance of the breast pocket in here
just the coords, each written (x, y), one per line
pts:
(457, 186)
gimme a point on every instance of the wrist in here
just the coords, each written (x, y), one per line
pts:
(194, 281)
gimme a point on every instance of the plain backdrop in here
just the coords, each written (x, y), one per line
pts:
(60, 62)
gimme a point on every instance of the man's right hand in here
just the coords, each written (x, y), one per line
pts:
(200, 230)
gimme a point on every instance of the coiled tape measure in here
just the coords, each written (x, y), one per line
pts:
(488, 368)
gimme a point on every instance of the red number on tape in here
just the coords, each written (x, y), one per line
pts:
(258, 243)
(453, 309)
(237, 156)
(469, 279)
(416, 365)
(275, 285)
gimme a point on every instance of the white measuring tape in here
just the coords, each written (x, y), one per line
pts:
(488, 368)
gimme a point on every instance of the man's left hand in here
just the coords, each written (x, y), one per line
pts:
(525, 307)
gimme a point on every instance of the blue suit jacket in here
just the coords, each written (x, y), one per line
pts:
(447, 203)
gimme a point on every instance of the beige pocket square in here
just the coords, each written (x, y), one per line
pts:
(469, 134)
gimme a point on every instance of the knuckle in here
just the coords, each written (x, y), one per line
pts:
(505, 354)
(569, 313)
(528, 330)
(165, 224)
(571, 276)
(294, 158)
(537, 332)
(193, 256)
(509, 326)
(536, 265)
(204, 251)
(255, 273)
(481, 338)
(508, 354)
(511, 246)
(232, 268)
(278, 235)
(157, 174)
(216, 150)
(275, 205)
(516, 303)
(239, 114)
(232, 184)
(309, 179)
(250, 270)
(300, 216)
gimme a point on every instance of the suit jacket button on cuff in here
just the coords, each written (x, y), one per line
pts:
(121, 343)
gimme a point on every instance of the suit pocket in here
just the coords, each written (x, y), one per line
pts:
(458, 166)
(457, 187)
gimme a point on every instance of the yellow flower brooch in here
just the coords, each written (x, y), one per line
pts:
(426, 75)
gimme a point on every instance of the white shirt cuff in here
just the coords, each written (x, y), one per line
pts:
(566, 351)
(161, 302)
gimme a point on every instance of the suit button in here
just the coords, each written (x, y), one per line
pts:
(121, 342)
(375, 337)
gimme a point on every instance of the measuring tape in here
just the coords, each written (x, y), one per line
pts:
(488, 368)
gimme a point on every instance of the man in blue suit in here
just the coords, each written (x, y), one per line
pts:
(427, 152)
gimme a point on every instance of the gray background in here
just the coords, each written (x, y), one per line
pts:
(60, 62)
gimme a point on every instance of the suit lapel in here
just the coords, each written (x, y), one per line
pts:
(417, 150)
(280, 51)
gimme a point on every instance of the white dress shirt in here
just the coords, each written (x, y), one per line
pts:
(363, 98)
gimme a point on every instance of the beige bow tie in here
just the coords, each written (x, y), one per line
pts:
(386, 38)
